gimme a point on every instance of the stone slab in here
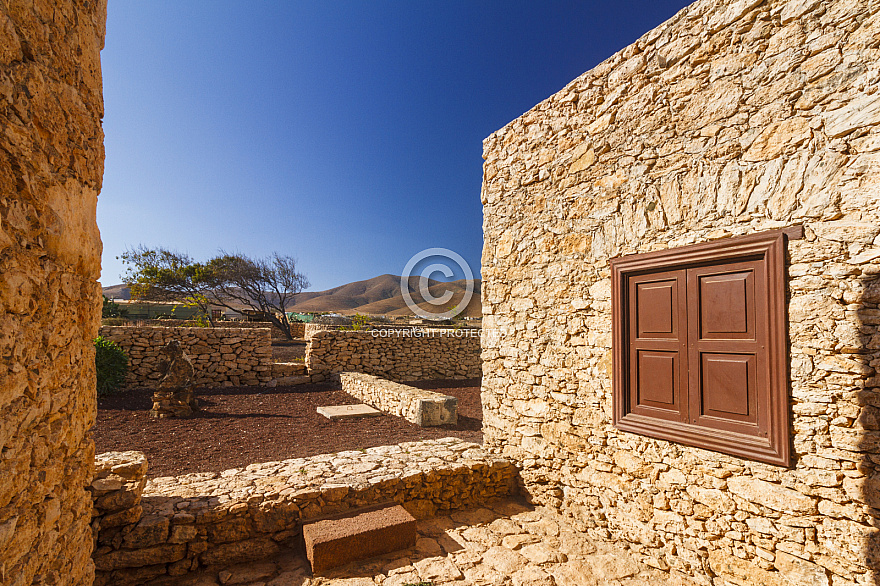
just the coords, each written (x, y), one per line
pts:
(336, 542)
(334, 412)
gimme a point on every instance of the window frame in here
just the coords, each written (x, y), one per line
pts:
(772, 446)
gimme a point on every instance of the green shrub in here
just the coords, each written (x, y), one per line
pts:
(111, 366)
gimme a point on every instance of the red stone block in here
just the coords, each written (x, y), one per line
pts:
(339, 541)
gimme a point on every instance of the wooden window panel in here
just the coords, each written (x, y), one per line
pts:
(658, 345)
(707, 364)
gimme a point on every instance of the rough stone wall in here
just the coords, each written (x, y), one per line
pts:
(397, 356)
(298, 330)
(51, 166)
(425, 408)
(731, 118)
(180, 524)
(222, 357)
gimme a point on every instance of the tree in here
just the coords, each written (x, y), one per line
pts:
(230, 280)
(112, 309)
(264, 285)
(167, 275)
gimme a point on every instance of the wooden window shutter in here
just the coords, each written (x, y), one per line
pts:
(699, 346)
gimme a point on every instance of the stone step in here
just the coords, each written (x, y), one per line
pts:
(354, 536)
(280, 369)
(292, 380)
(335, 412)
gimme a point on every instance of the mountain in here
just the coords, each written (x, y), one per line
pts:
(377, 296)
(117, 292)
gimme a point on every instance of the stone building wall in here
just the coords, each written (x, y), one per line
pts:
(175, 525)
(395, 355)
(731, 118)
(221, 357)
(51, 166)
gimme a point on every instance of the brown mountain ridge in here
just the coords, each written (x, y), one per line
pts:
(377, 296)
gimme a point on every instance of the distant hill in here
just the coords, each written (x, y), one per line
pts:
(117, 292)
(377, 296)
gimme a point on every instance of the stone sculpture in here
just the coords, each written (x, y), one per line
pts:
(174, 397)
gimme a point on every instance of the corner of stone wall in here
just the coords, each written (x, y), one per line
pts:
(51, 170)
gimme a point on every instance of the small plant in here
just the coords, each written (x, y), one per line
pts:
(111, 366)
(358, 323)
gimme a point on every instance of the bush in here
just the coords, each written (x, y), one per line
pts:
(111, 366)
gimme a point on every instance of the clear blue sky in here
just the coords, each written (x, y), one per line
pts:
(345, 134)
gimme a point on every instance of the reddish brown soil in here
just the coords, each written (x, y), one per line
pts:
(238, 426)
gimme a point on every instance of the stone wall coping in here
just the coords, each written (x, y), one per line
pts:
(302, 479)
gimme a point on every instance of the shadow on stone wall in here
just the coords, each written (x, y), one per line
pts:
(868, 423)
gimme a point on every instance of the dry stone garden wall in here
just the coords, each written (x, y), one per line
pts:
(51, 166)
(221, 357)
(175, 525)
(425, 408)
(731, 118)
(395, 355)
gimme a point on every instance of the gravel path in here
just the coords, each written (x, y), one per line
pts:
(238, 426)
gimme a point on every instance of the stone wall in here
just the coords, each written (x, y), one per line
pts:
(51, 166)
(395, 355)
(297, 330)
(116, 488)
(222, 357)
(425, 408)
(181, 524)
(729, 119)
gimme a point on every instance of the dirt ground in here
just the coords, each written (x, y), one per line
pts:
(237, 426)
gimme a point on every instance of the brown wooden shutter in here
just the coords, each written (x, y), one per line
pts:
(727, 317)
(700, 346)
(658, 345)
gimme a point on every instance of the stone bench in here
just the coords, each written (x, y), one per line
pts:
(185, 523)
(424, 408)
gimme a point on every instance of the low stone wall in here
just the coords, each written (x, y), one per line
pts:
(312, 329)
(396, 355)
(116, 491)
(425, 408)
(221, 356)
(209, 519)
(298, 330)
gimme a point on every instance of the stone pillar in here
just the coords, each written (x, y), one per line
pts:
(51, 166)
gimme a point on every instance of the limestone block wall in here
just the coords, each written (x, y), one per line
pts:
(731, 118)
(221, 356)
(395, 355)
(116, 489)
(189, 522)
(51, 166)
(425, 408)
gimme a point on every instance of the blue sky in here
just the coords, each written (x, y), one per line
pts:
(345, 134)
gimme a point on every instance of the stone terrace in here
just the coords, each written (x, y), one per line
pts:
(505, 542)
(184, 523)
